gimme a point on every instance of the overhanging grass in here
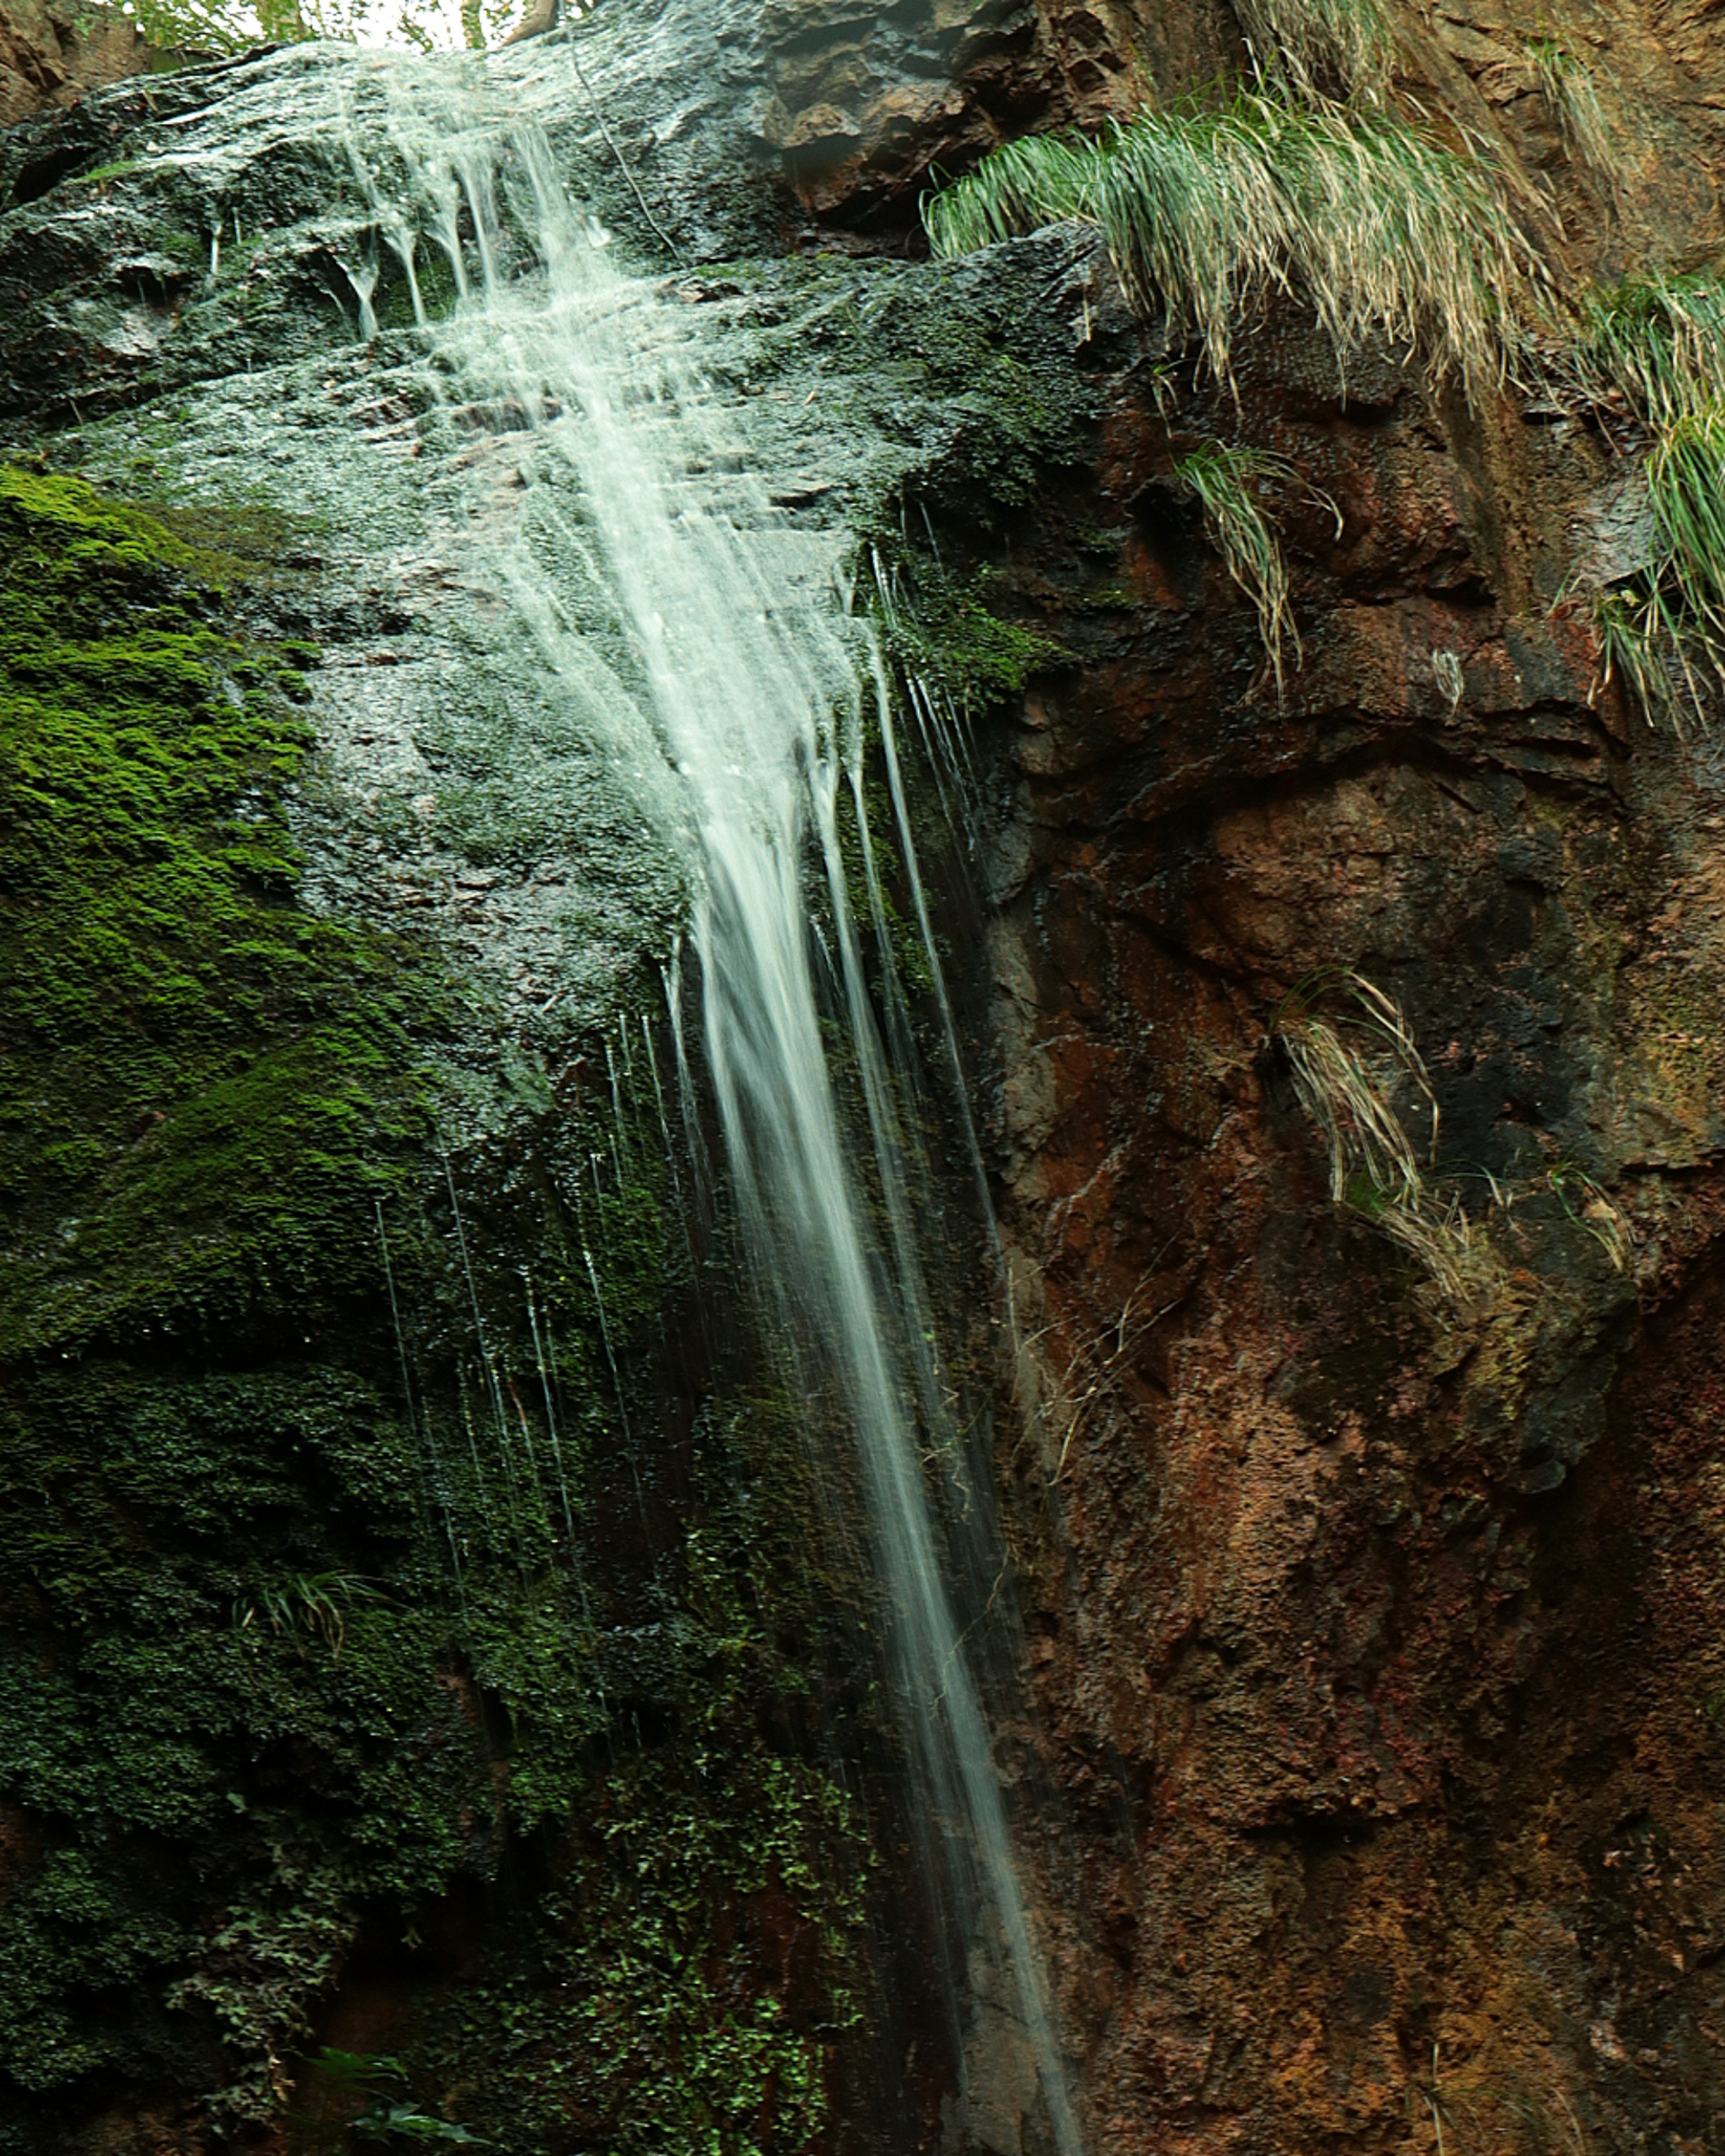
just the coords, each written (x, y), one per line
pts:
(1226, 482)
(1654, 343)
(1345, 1068)
(1567, 84)
(1322, 47)
(1380, 226)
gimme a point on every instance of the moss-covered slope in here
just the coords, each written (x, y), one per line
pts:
(327, 1576)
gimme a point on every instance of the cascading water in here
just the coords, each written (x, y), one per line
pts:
(733, 695)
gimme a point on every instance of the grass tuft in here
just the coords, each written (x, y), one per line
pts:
(1347, 1098)
(1655, 344)
(1227, 482)
(1567, 86)
(1345, 1082)
(1322, 48)
(1653, 350)
(1208, 212)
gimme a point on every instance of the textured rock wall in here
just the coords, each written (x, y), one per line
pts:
(54, 55)
(1375, 1643)
(1379, 1645)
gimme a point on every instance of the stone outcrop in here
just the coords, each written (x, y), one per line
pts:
(1377, 1641)
(52, 56)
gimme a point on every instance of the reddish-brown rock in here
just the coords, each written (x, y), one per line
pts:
(52, 55)
(1377, 1642)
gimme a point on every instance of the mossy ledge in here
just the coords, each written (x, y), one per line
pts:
(310, 1661)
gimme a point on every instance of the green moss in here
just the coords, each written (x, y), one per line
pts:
(98, 175)
(945, 631)
(318, 1586)
(205, 1091)
(629, 2011)
(204, 1086)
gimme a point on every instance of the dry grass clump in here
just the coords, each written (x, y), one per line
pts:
(1348, 1100)
(1567, 84)
(1345, 1085)
(1589, 1208)
(1384, 230)
(1222, 480)
(1322, 48)
(1348, 1068)
(1228, 482)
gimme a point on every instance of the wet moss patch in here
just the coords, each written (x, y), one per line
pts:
(353, 1556)
(204, 1086)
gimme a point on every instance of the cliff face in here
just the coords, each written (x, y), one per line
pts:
(1373, 1617)
(1378, 1641)
(1378, 1638)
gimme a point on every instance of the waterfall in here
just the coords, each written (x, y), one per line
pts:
(698, 635)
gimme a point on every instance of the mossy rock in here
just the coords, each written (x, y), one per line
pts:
(314, 1453)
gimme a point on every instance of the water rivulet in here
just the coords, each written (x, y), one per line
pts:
(702, 644)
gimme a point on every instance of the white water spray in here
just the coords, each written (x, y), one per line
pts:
(739, 716)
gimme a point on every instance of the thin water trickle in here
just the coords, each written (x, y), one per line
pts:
(738, 700)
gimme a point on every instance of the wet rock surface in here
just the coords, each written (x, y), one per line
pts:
(1377, 1643)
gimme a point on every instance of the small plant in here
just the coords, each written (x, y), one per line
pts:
(1653, 346)
(1346, 1065)
(1686, 482)
(1362, 1132)
(1452, 683)
(388, 2114)
(306, 1605)
(1567, 86)
(1208, 212)
(1646, 643)
(1322, 47)
(1227, 482)
(1587, 1204)
(1653, 351)
(1345, 1086)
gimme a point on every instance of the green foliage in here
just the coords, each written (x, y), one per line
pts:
(304, 1572)
(316, 1603)
(949, 633)
(1654, 343)
(203, 1084)
(205, 1092)
(1567, 84)
(1207, 212)
(386, 2113)
(632, 2005)
(198, 26)
(1656, 346)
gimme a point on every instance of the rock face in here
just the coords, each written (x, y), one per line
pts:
(1377, 1642)
(54, 56)
(1376, 1628)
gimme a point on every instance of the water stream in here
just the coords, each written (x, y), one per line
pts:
(701, 638)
